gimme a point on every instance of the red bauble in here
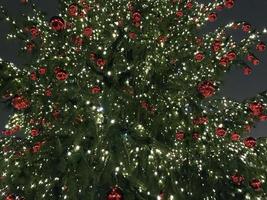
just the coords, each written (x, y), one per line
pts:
(10, 197)
(78, 41)
(224, 61)
(247, 70)
(219, 7)
(115, 194)
(73, 10)
(235, 136)
(61, 75)
(7, 132)
(199, 57)
(136, 17)
(231, 55)
(189, 5)
(200, 120)
(179, 136)
(57, 23)
(88, 31)
(179, 13)
(20, 102)
(101, 62)
(34, 32)
(132, 35)
(42, 70)
(261, 46)
(221, 132)
(212, 17)
(246, 27)
(229, 3)
(237, 179)
(34, 132)
(206, 88)
(256, 108)
(255, 184)
(250, 57)
(36, 147)
(95, 90)
(216, 46)
(255, 61)
(250, 142)
(33, 76)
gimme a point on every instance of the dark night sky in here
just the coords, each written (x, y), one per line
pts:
(236, 86)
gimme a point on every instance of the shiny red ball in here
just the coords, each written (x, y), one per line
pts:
(216, 46)
(247, 70)
(20, 102)
(221, 132)
(250, 142)
(255, 184)
(256, 108)
(73, 10)
(115, 194)
(237, 179)
(88, 31)
(57, 23)
(261, 46)
(212, 17)
(199, 57)
(206, 88)
(179, 136)
(235, 136)
(229, 3)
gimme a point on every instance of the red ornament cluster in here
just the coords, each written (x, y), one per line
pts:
(61, 74)
(179, 135)
(237, 179)
(235, 136)
(57, 23)
(256, 108)
(115, 194)
(34, 132)
(247, 70)
(212, 17)
(199, 57)
(216, 45)
(95, 90)
(136, 18)
(20, 102)
(34, 32)
(12, 131)
(37, 146)
(261, 47)
(250, 142)
(206, 88)
(220, 132)
(88, 32)
(229, 3)
(255, 184)
(73, 10)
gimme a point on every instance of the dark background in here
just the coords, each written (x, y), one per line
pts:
(236, 86)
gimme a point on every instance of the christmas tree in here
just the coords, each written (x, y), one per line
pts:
(120, 99)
